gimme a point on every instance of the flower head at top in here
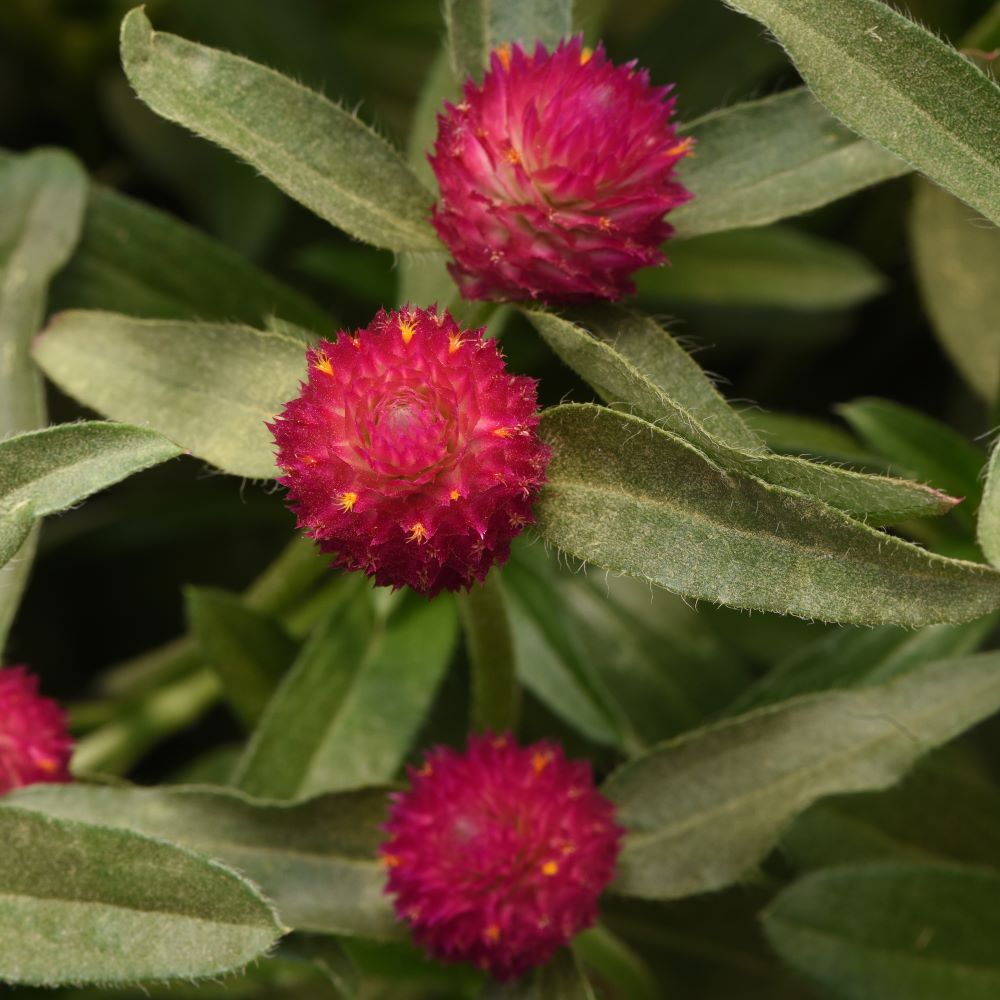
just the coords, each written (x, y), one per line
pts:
(555, 175)
(34, 743)
(411, 453)
(497, 856)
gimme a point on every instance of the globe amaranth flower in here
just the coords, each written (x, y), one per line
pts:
(411, 454)
(497, 856)
(34, 743)
(555, 175)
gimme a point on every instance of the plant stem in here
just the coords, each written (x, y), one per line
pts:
(496, 695)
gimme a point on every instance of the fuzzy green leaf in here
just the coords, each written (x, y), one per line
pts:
(41, 206)
(766, 160)
(774, 267)
(318, 861)
(858, 58)
(637, 500)
(602, 362)
(43, 472)
(348, 710)
(85, 904)
(313, 150)
(137, 260)
(248, 649)
(898, 929)
(988, 525)
(210, 388)
(704, 808)
(956, 254)
(468, 24)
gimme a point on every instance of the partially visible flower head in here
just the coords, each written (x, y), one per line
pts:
(555, 175)
(497, 856)
(410, 453)
(34, 743)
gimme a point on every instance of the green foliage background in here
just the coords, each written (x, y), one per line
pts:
(792, 834)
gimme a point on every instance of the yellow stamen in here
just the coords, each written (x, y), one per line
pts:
(492, 933)
(47, 764)
(455, 495)
(503, 54)
(347, 501)
(322, 363)
(308, 459)
(540, 761)
(426, 770)
(550, 868)
(513, 156)
(407, 328)
(503, 432)
(454, 342)
(585, 53)
(390, 860)
(418, 533)
(683, 148)
(605, 223)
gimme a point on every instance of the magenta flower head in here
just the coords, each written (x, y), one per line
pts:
(497, 856)
(555, 175)
(34, 743)
(411, 454)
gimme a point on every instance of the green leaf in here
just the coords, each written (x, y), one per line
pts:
(918, 445)
(329, 956)
(943, 811)
(774, 267)
(137, 260)
(877, 499)
(637, 500)
(616, 963)
(248, 649)
(850, 657)
(919, 931)
(41, 205)
(43, 472)
(529, 21)
(210, 388)
(956, 254)
(704, 808)
(792, 434)
(315, 151)
(82, 903)
(766, 160)
(469, 45)
(988, 525)
(318, 861)
(350, 707)
(858, 58)
(496, 697)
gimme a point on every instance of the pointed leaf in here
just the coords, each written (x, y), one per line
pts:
(767, 160)
(349, 708)
(318, 861)
(81, 903)
(956, 254)
(988, 526)
(899, 929)
(857, 56)
(315, 151)
(43, 472)
(210, 388)
(637, 500)
(877, 499)
(704, 808)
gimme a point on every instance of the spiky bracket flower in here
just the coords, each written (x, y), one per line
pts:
(34, 743)
(411, 454)
(555, 175)
(497, 856)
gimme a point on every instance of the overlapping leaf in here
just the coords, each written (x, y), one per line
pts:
(315, 151)
(703, 809)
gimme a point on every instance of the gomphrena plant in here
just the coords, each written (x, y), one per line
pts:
(495, 722)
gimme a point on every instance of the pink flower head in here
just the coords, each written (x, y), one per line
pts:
(555, 175)
(411, 453)
(34, 743)
(497, 856)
